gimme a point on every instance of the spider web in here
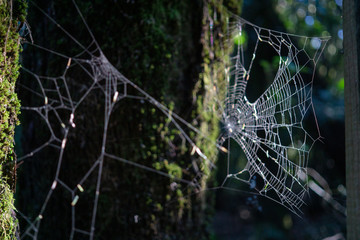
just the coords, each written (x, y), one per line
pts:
(269, 130)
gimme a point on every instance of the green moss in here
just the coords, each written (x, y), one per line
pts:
(9, 108)
(211, 89)
(8, 224)
(162, 46)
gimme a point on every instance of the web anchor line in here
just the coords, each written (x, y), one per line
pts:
(269, 130)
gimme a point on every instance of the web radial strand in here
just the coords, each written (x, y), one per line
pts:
(59, 102)
(270, 129)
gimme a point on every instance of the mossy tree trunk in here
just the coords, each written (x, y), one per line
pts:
(164, 47)
(11, 13)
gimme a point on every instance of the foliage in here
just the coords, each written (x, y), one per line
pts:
(322, 18)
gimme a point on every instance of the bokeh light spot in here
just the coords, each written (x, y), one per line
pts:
(315, 43)
(309, 20)
(340, 34)
(323, 70)
(312, 8)
(332, 49)
(301, 13)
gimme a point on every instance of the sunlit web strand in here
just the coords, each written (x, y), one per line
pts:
(246, 120)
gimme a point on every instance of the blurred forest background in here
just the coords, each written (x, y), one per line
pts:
(164, 47)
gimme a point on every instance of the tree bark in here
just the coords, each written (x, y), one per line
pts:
(352, 117)
(162, 47)
(11, 13)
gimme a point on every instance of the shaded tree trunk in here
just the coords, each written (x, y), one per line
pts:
(11, 13)
(162, 46)
(352, 116)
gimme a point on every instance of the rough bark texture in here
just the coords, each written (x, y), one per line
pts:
(162, 47)
(11, 13)
(352, 117)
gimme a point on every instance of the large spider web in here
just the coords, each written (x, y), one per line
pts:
(270, 130)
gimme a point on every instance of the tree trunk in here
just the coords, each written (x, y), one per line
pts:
(352, 117)
(162, 46)
(11, 13)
